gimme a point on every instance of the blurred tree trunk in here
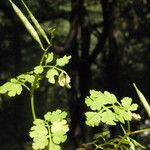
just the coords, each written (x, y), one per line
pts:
(12, 54)
(113, 58)
(78, 36)
(78, 45)
(113, 63)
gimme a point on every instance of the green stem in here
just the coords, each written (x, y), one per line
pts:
(118, 145)
(50, 138)
(129, 128)
(25, 86)
(130, 133)
(125, 135)
(139, 131)
(32, 104)
(33, 86)
(42, 59)
(59, 69)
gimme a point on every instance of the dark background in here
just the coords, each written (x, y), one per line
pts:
(109, 41)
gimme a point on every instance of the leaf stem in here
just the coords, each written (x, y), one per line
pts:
(59, 69)
(50, 139)
(129, 127)
(45, 51)
(32, 103)
(118, 145)
(34, 83)
(139, 131)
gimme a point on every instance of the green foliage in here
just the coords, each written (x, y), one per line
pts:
(49, 57)
(50, 131)
(38, 69)
(63, 61)
(51, 73)
(107, 109)
(39, 133)
(13, 88)
(23, 78)
(120, 142)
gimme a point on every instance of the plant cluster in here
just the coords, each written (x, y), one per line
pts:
(105, 108)
(51, 131)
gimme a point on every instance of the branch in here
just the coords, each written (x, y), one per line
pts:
(103, 36)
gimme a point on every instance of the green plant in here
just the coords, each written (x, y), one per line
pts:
(105, 108)
(142, 99)
(51, 131)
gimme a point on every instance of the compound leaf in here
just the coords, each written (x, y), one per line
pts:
(59, 129)
(39, 134)
(59, 126)
(126, 102)
(38, 69)
(55, 116)
(4, 87)
(93, 118)
(26, 77)
(122, 114)
(108, 117)
(95, 104)
(97, 99)
(51, 75)
(13, 88)
(110, 98)
(119, 114)
(49, 57)
(54, 146)
(63, 61)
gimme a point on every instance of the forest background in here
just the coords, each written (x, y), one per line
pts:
(109, 41)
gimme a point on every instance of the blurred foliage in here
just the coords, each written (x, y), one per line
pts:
(124, 58)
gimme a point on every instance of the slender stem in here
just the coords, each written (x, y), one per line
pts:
(34, 85)
(125, 136)
(25, 86)
(130, 133)
(32, 104)
(42, 59)
(129, 128)
(50, 139)
(118, 145)
(139, 131)
(49, 66)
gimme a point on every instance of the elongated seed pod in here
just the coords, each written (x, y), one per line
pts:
(143, 100)
(26, 23)
(36, 23)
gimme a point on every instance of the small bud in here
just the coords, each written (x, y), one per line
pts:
(136, 117)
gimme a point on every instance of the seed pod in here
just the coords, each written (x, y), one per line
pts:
(143, 100)
(26, 23)
(36, 23)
